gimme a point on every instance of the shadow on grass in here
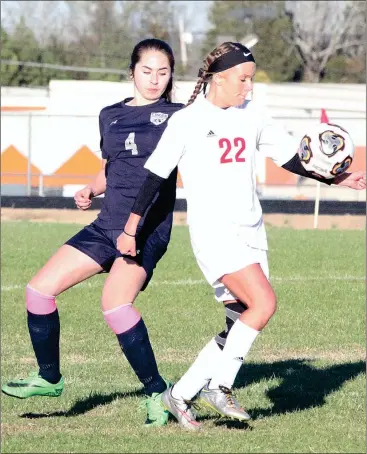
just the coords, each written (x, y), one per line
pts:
(302, 386)
(225, 422)
(84, 405)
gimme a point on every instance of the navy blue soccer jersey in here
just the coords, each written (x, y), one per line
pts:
(129, 135)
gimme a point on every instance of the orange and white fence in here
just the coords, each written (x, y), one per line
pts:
(50, 137)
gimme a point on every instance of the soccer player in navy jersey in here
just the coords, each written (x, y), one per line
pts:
(130, 131)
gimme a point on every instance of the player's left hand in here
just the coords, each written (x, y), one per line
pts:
(354, 180)
(126, 244)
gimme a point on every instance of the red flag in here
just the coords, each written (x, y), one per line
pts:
(324, 118)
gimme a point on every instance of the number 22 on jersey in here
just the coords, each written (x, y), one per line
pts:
(235, 155)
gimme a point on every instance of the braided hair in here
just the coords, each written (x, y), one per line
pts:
(204, 75)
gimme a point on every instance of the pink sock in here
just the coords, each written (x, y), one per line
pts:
(122, 318)
(38, 303)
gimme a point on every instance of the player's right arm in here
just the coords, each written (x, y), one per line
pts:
(83, 198)
(160, 164)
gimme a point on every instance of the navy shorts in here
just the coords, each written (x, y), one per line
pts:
(100, 245)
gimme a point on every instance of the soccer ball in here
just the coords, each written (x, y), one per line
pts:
(326, 150)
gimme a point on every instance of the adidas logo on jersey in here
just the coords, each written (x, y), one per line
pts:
(211, 134)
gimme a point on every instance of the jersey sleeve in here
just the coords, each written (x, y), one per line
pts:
(104, 154)
(273, 141)
(169, 149)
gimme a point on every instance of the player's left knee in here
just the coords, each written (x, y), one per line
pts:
(265, 302)
(122, 318)
(266, 308)
(272, 303)
(113, 297)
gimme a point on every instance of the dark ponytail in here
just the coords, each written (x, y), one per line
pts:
(161, 46)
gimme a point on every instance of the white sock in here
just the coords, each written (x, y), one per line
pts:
(199, 373)
(238, 344)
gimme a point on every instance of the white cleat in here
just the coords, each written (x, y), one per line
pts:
(181, 410)
(222, 401)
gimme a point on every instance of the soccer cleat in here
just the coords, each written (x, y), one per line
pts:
(222, 401)
(157, 415)
(181, 410)
(33, 385)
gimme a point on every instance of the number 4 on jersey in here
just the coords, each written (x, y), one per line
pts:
(130, 143)
(239, 144)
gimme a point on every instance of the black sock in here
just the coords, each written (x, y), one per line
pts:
(233, 312)
(137, 348)
(45, 336)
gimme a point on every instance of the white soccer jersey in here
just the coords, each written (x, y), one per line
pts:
(215, 150)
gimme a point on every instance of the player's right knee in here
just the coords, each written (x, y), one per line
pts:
(46, 284)
(39, 303)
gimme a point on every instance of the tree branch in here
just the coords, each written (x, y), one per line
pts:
(344, 46)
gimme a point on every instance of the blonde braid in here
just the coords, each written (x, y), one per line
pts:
(197, 90)
(205, 76)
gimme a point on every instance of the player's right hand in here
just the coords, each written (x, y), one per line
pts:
(126, 244)
(83, 198)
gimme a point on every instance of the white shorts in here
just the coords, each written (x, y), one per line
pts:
(216, 260)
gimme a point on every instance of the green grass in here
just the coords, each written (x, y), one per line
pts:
(303, 382)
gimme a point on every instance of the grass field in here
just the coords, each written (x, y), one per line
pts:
(303, 382)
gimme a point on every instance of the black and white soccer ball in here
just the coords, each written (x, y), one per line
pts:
(326, 150)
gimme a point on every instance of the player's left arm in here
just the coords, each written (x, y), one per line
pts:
(294, 165)
(353, 180)
(282, 148)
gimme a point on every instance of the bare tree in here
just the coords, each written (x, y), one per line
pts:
(358, 34)
(101, 32)
(156, 18)
(44, 18)
(322, 28)
(91, 33)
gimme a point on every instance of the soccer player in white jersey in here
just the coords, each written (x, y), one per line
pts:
(214, 145)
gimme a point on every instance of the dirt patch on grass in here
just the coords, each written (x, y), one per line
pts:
(15, 429)
(325, 222)
(295, 221)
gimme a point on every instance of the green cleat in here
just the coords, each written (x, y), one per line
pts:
(33, 385)
(157, 415)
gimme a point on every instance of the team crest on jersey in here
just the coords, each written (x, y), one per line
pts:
(157, 118)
